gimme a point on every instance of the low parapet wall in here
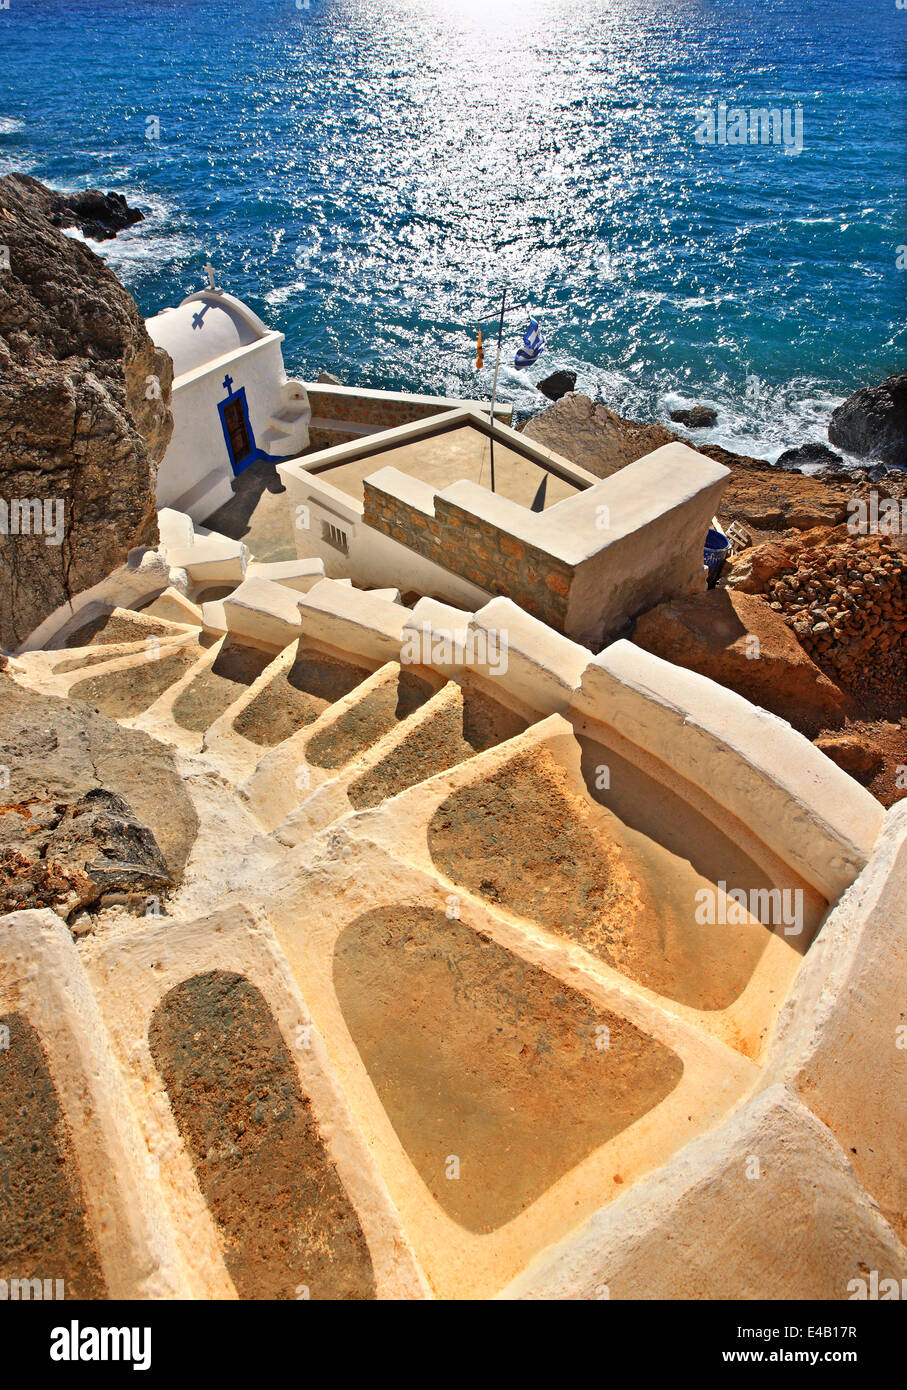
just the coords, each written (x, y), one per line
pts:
(344, 413)
(484, 552)
(749, 762)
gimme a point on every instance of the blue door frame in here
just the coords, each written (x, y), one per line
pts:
(240, 396)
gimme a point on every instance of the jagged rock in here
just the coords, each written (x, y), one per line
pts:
(97, 215)
(809, 454)
(558, 384)
(695, 417)
(90, 807)
(68, 855)
(593, 436)
(845, 597)
(873, 421)
(328, 379)
(713, 633)
(100, 215)
(84, 420)
(754, 570)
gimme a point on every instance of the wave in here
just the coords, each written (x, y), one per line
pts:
(755, 418)
(10, 124)
(15, 164)
(147, 246)
(135, 252)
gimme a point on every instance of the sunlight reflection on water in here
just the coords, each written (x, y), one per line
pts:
(369, 174)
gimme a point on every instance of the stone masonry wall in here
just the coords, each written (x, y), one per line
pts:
(478, 551)
(384, 413)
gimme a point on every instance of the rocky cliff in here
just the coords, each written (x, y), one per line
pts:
(97, 215)
(90, 808)
(84, 419)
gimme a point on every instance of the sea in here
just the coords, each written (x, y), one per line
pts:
(372, 175)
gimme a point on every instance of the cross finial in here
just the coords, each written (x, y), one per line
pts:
(228, 384)
(209, 271)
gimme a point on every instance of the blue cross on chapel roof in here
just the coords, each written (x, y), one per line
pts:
(228, 384)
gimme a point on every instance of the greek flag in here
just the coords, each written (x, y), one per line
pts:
(533, 347)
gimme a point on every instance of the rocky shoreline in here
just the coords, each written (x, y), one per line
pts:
(98, 216)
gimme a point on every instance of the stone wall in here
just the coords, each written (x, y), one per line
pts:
(478, 550)
(334, 407)
(845, 599)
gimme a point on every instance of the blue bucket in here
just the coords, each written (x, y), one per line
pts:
(717, 549)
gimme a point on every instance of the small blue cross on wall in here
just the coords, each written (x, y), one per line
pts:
(228, 384)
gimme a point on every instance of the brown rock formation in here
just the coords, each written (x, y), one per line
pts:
(591, 435)
(766, 498)
(845, 599)
(90, 808)
(84, 419)
(737, 640)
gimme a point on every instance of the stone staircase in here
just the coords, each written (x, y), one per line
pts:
(300, 729)
(454, 966)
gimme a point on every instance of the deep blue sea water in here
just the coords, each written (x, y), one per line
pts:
(369, 173)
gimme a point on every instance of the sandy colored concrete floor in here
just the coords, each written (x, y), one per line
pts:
(487, 1066)
(257, 514)
(217, 686)
(463, 453)
(296, 697)
(43, 1225)
(121, 694)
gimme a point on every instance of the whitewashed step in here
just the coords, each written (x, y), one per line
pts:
(210, 559)
(293, 574)
(264, 612)
(292, 415)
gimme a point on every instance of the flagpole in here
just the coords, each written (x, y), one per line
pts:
(494, 388)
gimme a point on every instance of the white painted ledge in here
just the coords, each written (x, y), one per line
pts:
(300, 575)
(352, 620)
(263, 611)
(802, 806)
